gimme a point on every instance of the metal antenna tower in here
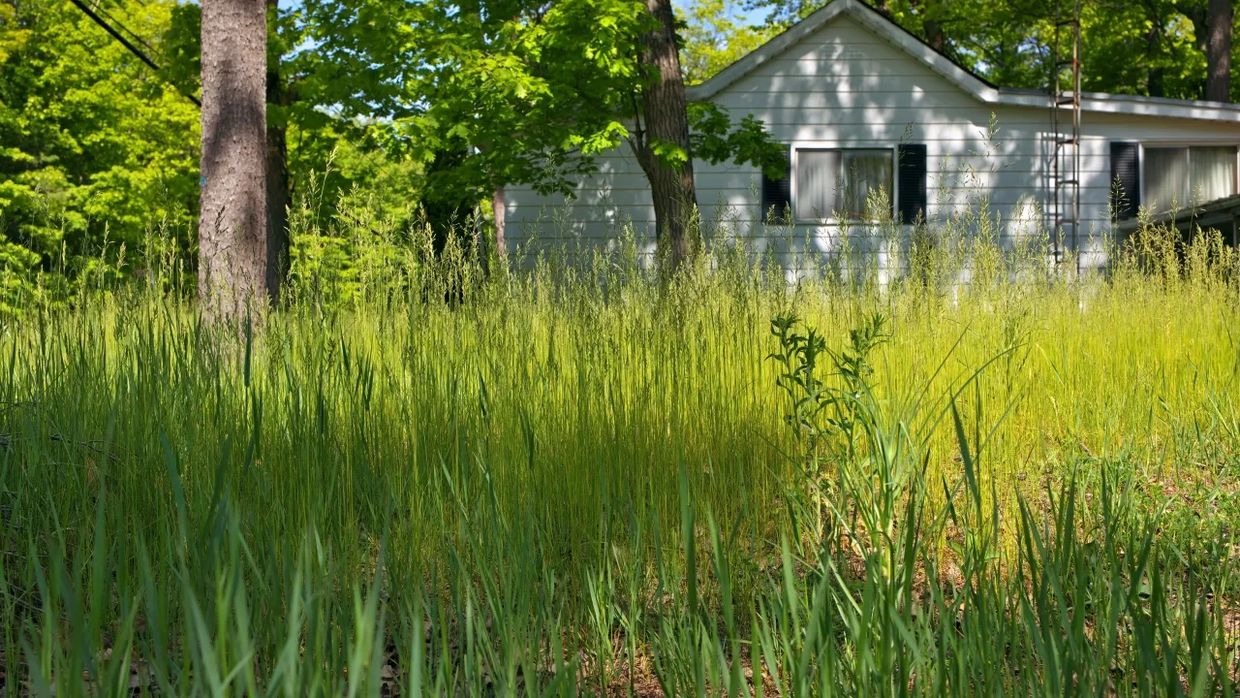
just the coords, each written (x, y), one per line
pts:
(1065, 160)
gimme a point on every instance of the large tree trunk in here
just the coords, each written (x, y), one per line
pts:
(1155, 76)
(1218, 50)
(1212, 26)
(233, 254)
(667, 124)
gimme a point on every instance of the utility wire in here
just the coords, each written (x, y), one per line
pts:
(98, 7)
(127, 44)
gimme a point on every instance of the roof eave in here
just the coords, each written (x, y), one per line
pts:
(1135, 105)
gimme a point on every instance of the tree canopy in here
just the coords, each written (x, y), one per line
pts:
(94, 147)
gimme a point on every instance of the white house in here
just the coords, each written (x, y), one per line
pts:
(862, 104)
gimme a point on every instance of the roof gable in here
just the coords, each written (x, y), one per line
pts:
(863, 15)
(966, 81)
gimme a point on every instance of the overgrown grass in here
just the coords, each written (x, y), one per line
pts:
(589, 481)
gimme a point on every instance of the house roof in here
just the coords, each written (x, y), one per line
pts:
(966, 80)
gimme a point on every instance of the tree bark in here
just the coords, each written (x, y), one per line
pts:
(1155, 75)
(1218, 50)
(931, 26)
(233, 254)
(664, 111)
(1212, 28)
(935, 36)
(277, 176)
(277, 210)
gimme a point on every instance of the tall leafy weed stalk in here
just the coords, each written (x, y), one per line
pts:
(861, 488)
(849, 474)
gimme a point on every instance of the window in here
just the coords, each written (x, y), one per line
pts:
(821, 172)
(836, 183)
(1125, 179)
(1188, 175)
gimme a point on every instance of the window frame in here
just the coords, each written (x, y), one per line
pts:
(1187, 145)
(893, 193)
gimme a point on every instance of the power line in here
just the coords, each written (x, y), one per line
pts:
(127, 44)
(98, 7)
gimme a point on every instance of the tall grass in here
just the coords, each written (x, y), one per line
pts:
(583, 480)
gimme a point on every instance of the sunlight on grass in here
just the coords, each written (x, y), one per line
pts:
(559, 481)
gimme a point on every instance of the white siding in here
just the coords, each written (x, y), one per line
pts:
(844, 86)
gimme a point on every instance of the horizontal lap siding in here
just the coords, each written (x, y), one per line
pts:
(844, 87)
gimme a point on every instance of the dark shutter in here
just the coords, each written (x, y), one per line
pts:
(912, 182)
(777, 195)
(1125, 180)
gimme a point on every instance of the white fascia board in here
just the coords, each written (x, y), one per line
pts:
(1160, 106)
(1134, 105)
